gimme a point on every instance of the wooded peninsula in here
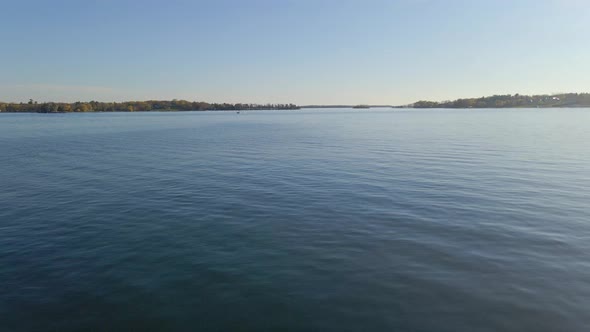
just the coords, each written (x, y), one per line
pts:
(134, 106)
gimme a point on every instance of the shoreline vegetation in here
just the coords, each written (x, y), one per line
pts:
(135, 106)
(512, 101)
(563, 100)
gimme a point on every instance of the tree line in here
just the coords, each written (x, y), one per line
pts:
(512, 101)
(135, 106)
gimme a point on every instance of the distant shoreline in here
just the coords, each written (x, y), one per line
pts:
(563, 100)
(135, 106)
(309, 108)
(151, 111)
(560, 100)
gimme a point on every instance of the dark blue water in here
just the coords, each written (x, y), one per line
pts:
(381, 220)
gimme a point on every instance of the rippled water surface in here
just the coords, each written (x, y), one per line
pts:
(380, 220)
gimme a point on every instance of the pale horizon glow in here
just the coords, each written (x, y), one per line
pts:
(302, 52)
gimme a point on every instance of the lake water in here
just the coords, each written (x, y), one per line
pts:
(310, 220)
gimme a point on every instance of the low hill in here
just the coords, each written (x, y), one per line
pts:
(512, 101)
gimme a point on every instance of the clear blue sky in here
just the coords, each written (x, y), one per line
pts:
(299, 51)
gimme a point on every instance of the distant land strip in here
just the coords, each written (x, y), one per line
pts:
(496, 101)
(511, 101)
(135, 106)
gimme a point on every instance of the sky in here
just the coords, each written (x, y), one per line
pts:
(305, 52)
